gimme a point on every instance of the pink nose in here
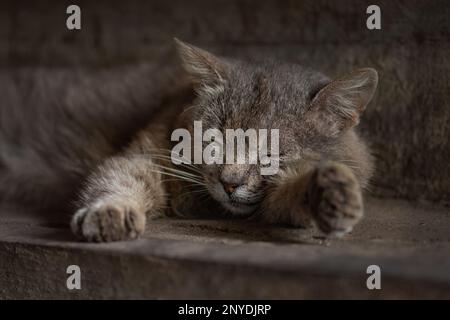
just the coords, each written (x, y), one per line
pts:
(229, 187)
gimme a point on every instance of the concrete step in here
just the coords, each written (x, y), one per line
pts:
(191, 259)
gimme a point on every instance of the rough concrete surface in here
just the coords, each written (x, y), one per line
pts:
(232, 259)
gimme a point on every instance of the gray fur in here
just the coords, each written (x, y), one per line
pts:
(54, 142)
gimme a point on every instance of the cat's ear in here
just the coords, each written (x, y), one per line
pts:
(204, 68)
(341, 102)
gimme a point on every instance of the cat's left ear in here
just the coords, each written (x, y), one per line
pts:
(341, 102)
(204, 68)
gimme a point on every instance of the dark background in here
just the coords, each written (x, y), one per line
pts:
(408, 122)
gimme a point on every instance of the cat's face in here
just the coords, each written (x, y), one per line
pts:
(254, 97)
(309, 111)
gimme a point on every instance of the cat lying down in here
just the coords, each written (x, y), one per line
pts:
(323, 165)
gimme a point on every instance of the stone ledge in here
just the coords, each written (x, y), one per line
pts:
(233, 259)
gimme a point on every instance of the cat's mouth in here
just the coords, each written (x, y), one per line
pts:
(238, 206)
(241, 209)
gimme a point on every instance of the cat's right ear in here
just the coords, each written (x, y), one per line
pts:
(338, 106)
(204, 68)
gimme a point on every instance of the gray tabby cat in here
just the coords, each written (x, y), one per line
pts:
(324, 165)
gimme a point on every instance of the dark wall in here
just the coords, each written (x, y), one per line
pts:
(408, 122)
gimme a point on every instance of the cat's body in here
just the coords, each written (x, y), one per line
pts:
(323, 163)
(58, 124)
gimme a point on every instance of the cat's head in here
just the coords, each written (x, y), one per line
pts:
(310, 111)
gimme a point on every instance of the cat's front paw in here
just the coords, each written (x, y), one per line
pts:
(335, 199)
(104, 222)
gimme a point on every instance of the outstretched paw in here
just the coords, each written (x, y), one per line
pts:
(104, 222)
(335, 199)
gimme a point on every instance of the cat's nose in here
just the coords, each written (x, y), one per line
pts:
(232, 177)
(229, 187)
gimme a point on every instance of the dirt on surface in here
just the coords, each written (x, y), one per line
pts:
(234, 259)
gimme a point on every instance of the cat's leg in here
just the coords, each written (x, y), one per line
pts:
(326, 194)
(117, 199)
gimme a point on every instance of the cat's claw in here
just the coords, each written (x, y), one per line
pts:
(103, 223)
(335, 199)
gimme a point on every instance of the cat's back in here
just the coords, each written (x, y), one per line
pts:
(56, 124)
